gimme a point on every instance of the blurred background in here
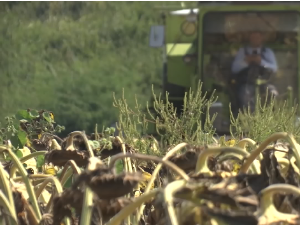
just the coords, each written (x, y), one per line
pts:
(69, 58)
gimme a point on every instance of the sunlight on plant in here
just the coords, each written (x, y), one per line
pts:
(187, 177)
(189, 126)
(270, 116)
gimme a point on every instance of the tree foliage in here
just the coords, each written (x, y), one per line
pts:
(69, 57)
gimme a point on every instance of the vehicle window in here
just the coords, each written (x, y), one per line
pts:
(224, 33)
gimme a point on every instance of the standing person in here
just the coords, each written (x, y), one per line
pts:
(251, 62)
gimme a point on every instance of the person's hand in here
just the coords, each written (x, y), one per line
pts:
(256, 59)
(249, 58)
(253, 59)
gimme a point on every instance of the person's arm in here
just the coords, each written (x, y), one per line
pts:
(269, 60)
(239, 62)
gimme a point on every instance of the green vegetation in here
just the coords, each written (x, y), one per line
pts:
(82, 175)
(270, 116)
(190, 126)
(70, 56)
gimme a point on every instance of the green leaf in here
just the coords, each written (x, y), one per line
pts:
(23, 114)
(34, 114)
(40, 161)
(16, 124)
(15, 141)
(22, 136)
(19, 154)
(96, 144)
(91, 144)
(119, 166)
(7, 158)
(47, 117)
(69, 182)
(112, 130)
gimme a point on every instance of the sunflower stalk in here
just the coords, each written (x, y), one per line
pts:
(87, 206)
(65, 175)
(168, 199)
(24, 174)
(129, 209)
(202, 168)
(37, 178)
(69, 169)
(4, 202)
(6, 190)
(13, 169)
(157, 169)
(267, 208)
(274, 137)
(85, 139)
(171, 165)
(55, 182)
(244, 143)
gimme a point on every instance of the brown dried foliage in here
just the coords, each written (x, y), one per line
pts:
(106, 184)
(20, 207)
(69, 199)
(61, 157)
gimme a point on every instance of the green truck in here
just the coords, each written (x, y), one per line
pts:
(201, 43)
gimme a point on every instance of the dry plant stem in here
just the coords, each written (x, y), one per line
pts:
(66, 173)
(29, 188)
(69, 143)
(248, 141)
(10, 208)
(242, 143)
(24, 159)
(254, 154)
(6, 189)
(129, 209)
(296, 169)
(49, 204)
(168, 197)
(202, 167)
(171, 165)
(215, 140)
(285, 162)
(158, 167)
(71, 163)
(266, 202)
(55, 182)
(33, 176)
(32, 220)
(55, 145)
(88, 194)
(52, 135)
(126, 164)
(296, 149)
(38, 181)
(86, 141)
(86, 213)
